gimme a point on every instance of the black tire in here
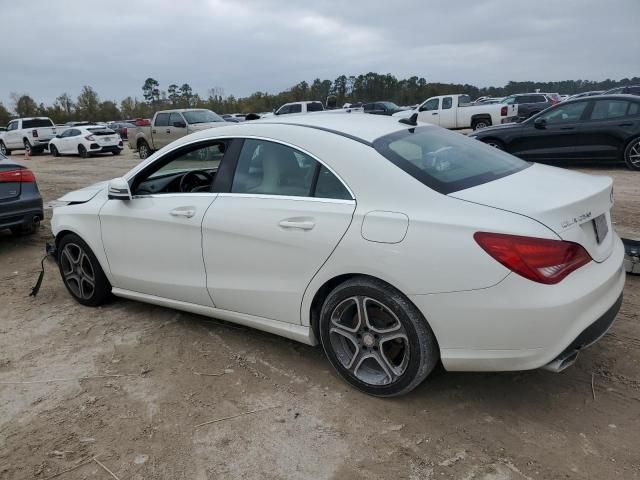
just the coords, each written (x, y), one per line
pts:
(116, 152)
(54, 151)
(387, 355)
(81, 272)
(143, 150)
(83, 151)
(480, 123)
(27, 146)
(632, 154)
(494, 143)
(4, 150)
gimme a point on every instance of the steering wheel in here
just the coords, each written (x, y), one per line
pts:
(195, 180)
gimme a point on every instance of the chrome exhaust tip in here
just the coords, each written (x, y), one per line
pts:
(564, 360)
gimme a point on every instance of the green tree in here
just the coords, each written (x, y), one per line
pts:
(173, 94)
(5, 116)
(186, 95)
(151, 92)
(108, 111)
(87, 104)
(24, 105)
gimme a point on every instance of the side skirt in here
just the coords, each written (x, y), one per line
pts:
(298, 333)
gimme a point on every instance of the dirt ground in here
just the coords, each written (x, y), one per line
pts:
(129, 384)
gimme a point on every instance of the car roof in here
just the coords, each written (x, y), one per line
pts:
(359, 126)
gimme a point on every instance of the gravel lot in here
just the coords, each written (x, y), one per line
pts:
(130, 382)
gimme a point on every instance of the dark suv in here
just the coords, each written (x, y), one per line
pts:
(381, 108)
(628, 89)
(531, 103)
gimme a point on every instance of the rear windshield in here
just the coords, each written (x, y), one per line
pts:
(37, 123)
(202, 116)
(446, 161)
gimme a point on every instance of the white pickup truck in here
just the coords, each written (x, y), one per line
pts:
(30, 134)
(456, 112)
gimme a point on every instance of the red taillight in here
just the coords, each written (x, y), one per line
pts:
(34, 133)
(91, 138)
(21, 175)
(538, 259)
(503, 111)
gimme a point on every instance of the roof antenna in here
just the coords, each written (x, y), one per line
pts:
(412, 120)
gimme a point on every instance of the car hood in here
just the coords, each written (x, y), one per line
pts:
(196, 127)
(496, 128)
(84, 194)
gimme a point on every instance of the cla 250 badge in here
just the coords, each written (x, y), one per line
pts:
(573, 221)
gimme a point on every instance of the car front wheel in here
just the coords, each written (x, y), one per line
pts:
(81, 272)
(375, 338)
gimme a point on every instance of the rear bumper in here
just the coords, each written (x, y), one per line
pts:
(95, 148)
(521, 325)
(21, 216)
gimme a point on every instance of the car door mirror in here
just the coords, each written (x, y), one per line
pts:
(119, 189)
(58, 136)
(540, 123)
(179, 124)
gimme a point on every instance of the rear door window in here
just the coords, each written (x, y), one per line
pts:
(162, 120)
(607, 109)
(446, 161)
(447, 102)
(314, 107)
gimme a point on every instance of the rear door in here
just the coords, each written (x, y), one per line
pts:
(266, 237)
(447, 116)
(176, 132)
(160, 131)
(609, 124)
(561, 138)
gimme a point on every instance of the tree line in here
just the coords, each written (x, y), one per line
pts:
(345, 89)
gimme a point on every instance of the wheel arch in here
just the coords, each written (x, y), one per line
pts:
(329, 285)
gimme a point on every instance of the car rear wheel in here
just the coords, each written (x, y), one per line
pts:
(27, 147)
(143, 150)
(116, 152)
(54, 151)
(81, 272)
(82, 151)
(3, 150)
(480, 123)
(632, 154)
(375, 338)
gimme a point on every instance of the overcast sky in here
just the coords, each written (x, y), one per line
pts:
(55, 46)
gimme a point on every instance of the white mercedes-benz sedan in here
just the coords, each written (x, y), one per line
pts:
(393, 245)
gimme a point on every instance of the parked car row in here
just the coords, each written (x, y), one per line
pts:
(603, 128)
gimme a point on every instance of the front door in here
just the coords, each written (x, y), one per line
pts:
(265, 240)
(428, 111)
(153, 242)
(559, 137)
(177, 127)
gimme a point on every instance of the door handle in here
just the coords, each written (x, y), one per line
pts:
(299, 224)
(153, 131)
(629, 124)
(567, 128)
(183, 212)
(434, 113)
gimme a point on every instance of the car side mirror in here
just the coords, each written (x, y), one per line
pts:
(58, 136)
(540, 123)
(119, 189)
(179, 124)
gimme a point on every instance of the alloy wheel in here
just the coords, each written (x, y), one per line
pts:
(369, 340)
(143, 151)
(633, 155)
(3, 149)
(77, 271)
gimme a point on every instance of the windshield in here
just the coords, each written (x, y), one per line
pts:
(390, 105)
(201, 116)
(446, 161)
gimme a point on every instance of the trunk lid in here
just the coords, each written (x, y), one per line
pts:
(567, 202)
